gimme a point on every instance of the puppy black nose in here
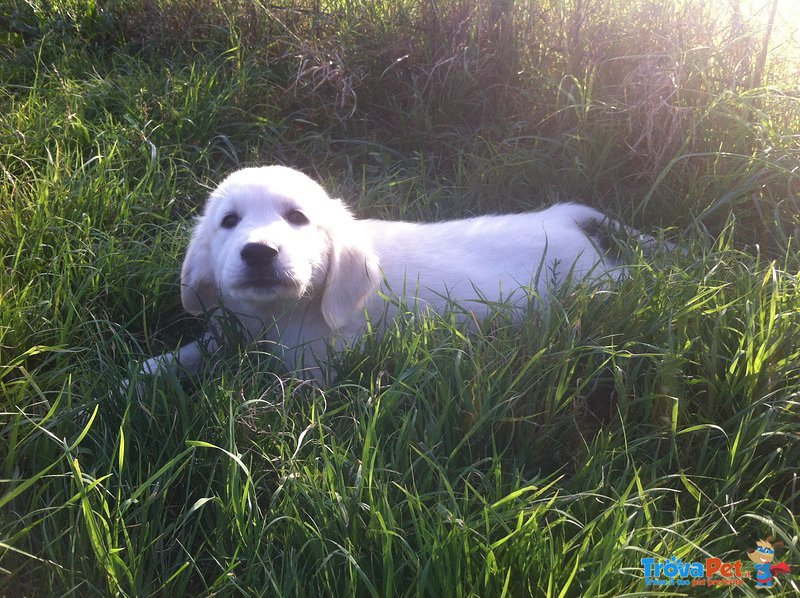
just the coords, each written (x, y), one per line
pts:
(258, 254)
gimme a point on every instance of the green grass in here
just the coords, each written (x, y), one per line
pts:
(656, 418)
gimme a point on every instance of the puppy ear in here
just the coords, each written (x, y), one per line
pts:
(199, 291)
(353, 271)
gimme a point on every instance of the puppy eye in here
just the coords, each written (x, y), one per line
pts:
(296, 217)
(230, 220)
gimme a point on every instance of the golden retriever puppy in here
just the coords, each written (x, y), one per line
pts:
(299, 270)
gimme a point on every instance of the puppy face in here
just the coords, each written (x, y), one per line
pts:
(267, 235)
(267, 242)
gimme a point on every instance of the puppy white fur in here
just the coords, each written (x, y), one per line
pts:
(299, 270)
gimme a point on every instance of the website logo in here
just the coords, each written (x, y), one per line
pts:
(710, 572)
(716, 572)
(762, 555)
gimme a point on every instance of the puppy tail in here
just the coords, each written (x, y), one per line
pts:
(611, 237)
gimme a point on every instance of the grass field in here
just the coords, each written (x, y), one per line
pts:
(659, 418)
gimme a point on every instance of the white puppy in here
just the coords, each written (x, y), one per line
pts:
(299, 270)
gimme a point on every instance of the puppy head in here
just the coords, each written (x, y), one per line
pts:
(272, 235)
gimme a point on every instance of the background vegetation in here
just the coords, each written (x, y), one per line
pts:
(658, 418)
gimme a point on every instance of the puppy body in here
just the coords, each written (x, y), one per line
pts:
(300, 271)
